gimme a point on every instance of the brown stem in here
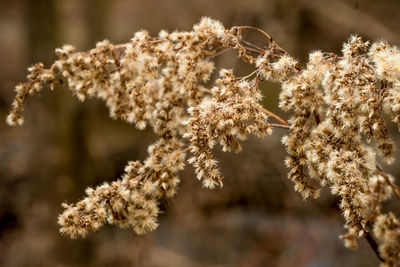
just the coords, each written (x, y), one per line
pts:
(270, 39)
(372, 243)
(266, 111)
(249, 75)
(254, 46)
(276, 125)
(217, 53)
(233, 46)
(395, 189)
(317, 118)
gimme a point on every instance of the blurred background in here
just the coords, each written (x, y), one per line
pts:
(65, 146)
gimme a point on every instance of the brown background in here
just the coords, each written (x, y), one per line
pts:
(255, 220)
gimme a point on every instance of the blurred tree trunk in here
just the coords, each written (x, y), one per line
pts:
(42, 29)
(96, 20)
(81, 163)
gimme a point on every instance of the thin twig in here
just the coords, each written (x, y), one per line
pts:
(276, 125)
(372, 243)
(270, 39)
(235, 46)
(266, 111)
(254, 46)
(395, 189)
(247, 76)
(219, 52)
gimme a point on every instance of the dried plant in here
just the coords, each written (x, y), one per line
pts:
(336, 104)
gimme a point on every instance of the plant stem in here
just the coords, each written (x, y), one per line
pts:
(372, 243)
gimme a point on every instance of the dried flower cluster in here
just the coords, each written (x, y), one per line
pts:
(132, 200)
(336, 103)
